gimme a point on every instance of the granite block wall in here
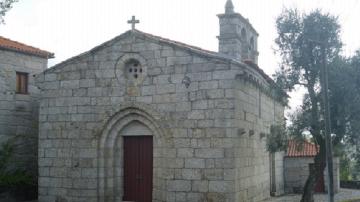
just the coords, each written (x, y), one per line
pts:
(87, 101)
(19, 112)
(296, 171)
(255, 113)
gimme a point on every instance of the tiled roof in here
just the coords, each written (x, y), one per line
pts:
(304, 149)
(11, 45)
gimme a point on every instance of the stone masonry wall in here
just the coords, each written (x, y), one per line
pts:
(296, 171)
(196, 126)
(279, 174)
(336, 173)
(255, 113)
(18, 112)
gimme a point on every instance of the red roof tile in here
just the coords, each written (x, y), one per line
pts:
(305, 149)
(11, 45)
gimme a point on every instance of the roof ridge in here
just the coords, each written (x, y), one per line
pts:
(177, 42)
(212, 53)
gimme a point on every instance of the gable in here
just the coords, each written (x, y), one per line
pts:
(120, 42)
(153, 40)
(166, 53)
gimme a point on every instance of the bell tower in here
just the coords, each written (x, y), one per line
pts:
(237, 39)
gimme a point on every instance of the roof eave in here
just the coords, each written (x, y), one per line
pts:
(45, 56)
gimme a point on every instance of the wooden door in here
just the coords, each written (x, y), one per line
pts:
(138, 168)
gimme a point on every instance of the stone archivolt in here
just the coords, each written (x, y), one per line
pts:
(111, 145)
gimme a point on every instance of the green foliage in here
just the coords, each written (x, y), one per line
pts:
(277, 139)
(345, 169)
(298, 43)
(5, 155)
(301, 39)
(345, 162)
(15, 178)
(356, 167)
(11, 177)
(5, 6)
(344, 86)
(304, 41)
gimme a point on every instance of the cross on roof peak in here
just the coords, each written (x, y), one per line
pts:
(133, 21)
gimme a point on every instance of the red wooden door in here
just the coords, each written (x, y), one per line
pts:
(138, 164)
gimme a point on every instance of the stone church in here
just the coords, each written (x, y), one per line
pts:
(144, 118)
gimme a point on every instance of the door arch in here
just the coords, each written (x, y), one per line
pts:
(127, 122)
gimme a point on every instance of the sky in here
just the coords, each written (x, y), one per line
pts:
(70, 27)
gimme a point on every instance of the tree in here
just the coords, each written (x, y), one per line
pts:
(298, 43)
(344, 85)
(5, 6)
(345, 162)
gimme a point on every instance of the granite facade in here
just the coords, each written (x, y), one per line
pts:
(207, 121)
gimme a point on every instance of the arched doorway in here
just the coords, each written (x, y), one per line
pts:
(138, 162)
(123, 139)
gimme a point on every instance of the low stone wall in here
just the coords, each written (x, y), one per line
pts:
(350, 184)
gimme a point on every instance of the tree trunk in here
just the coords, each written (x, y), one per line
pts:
(314, 174)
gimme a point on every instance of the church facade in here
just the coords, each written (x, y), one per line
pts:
(144, 118)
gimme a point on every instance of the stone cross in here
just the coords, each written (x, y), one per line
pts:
(133, 21)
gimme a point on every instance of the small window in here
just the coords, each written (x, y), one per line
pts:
(134, 69)
(21, 83)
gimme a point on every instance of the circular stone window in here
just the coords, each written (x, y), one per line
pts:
(131, 70)
(134, 70)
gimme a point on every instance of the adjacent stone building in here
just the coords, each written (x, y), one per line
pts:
(19, 98)
(144, 118)
(297, 163)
